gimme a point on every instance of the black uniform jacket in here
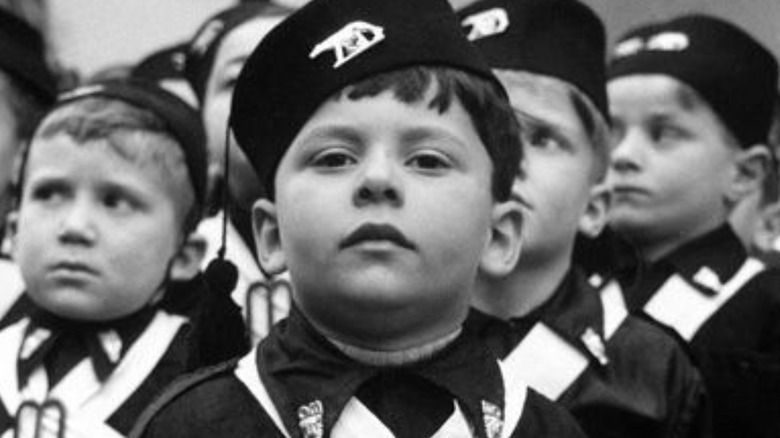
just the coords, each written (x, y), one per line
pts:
(728, 307)
(619, 375)
(296, 381)
(158, 345)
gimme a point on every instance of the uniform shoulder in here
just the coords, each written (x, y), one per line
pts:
(210, 402)
(644, 338)
(768, 279)
(542, 418)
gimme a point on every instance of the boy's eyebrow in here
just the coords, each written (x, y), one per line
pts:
(660, 118)
(529, 121)
(421, 133)
(329, 132)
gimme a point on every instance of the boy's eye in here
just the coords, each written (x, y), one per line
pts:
(48, 192)
(228, 83)
(542, 138)
(664, 133)
(429, 161)
(119, 202)
(333, 158)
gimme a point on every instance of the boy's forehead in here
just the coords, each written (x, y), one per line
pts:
(648, 93)
(100, 161)
(542, 100)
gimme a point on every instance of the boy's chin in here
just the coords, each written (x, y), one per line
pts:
(78, 307)
(383, 319)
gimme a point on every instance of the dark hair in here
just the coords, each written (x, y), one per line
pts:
(485, 103)
(27, 105)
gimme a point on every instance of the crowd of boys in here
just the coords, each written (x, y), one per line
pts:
(395, 219)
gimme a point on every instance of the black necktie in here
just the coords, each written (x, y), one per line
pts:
(407, 404)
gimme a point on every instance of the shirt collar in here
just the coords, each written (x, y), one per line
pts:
(301, 369)
(106, 342)
(574, 312)
(709, 260)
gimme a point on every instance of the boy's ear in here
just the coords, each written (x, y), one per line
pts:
(187, 262)
(597, 211)
(268, 240)
(502, 250)
(11, 227)
(768, 229)
(751, 167)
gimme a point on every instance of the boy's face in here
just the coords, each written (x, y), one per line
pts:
(672, 162)
(95, 233)
(230, 58)
(559, 162)
(384, 210)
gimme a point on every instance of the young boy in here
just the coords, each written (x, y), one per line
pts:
(110, 188)
(692, 101)
(619, 375)
(387, 149)
(27, 87)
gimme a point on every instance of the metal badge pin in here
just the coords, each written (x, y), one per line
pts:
(493, 418)
(38, 421)
(310, 420)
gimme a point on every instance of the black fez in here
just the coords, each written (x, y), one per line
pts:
(23, 55)
(563, 39)
(180, 118)
(205, 44)
(730, 70)
(324, 47)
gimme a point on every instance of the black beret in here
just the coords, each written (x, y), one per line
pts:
(181, 119)
(205, 44)
(23, 55)
(728, 68)
(563, 39)
(324, 47)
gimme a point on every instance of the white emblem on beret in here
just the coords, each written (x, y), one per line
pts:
(662, 42)
(350, 41)
(486, 23)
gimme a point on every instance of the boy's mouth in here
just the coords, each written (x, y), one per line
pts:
(377, 232)
(70, 266)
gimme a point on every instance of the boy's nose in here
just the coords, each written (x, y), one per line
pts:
(378, 184)
(77, 225)
(626, 154)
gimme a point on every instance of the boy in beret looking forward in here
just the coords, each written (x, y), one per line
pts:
(111, 186)
(565, 334)
(692, 102)
(388, 150)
